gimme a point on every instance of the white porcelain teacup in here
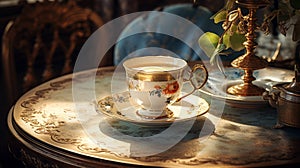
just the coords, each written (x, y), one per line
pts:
(154, 82)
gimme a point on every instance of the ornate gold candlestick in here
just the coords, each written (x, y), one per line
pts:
(249, 61)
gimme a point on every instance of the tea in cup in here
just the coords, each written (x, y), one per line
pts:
(154, 82)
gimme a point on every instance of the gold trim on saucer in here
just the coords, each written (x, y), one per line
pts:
(120, 107)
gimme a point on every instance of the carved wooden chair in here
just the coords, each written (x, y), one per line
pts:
(43, 42)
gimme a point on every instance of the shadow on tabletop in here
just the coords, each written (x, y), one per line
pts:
(186, 147)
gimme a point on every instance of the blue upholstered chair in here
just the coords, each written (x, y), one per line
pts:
(153, 43)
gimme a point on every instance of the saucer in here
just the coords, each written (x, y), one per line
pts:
(120, 107)
(217, 85)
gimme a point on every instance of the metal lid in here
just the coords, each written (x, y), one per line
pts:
(287, 93)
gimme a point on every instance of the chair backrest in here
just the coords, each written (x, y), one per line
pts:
(43, 42)
(137, 43)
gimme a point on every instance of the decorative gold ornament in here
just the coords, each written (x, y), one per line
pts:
(249, 61)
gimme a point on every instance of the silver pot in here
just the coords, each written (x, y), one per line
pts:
(286, 98)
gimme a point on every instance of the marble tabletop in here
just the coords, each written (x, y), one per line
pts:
(63, 113)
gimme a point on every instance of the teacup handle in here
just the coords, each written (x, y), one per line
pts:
(195, 67)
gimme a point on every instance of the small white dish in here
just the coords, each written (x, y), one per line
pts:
(217, 85)
(120, 107)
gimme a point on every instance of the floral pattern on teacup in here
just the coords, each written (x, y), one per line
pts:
(170, 88)
(166, 89)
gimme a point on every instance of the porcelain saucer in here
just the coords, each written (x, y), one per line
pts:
(120, 107)
(217, 85)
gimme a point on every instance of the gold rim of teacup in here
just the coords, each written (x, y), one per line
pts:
(153, 76)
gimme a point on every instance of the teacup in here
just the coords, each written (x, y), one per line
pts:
(154, 82)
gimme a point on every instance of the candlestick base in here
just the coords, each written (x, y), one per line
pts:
(248, 63)
(245, 89)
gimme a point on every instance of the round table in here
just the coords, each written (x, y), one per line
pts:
(48, 130)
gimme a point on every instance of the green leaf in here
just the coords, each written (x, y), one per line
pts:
(220, 48)
(215, 54)
(229, 4)
(208, 43)
(233, 28)
(226, 40)
(220, 16)
(236, 41)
